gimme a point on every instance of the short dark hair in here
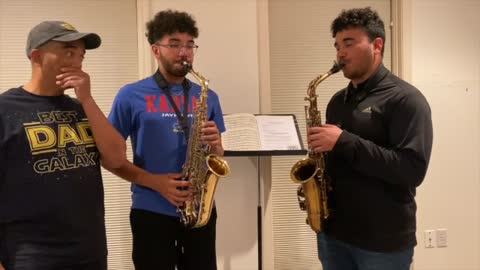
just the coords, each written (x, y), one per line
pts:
(365, 18)
(167, 22)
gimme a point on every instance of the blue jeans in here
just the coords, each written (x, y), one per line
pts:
(337, 255)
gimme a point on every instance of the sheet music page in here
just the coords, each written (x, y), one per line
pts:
(278, 132)
(242, 132)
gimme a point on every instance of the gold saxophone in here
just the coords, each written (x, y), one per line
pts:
(310, 171)
(201, 168)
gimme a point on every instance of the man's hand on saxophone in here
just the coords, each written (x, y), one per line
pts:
(174, 190)
(168, 185)
(211, 136)
(323, 139)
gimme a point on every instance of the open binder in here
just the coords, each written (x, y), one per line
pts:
(262, 135)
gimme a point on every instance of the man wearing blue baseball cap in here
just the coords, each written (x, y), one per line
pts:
(51, 145)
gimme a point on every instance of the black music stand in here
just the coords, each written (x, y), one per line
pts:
(267, 153)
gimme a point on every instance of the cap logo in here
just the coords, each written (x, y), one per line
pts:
(69, 27)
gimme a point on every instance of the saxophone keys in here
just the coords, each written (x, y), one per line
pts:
(301, 198)
(300, 192)
(303, 205)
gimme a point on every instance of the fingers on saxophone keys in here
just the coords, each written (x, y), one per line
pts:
(314, 134)
(173, 199)
(208, 124)
(314, 130)
(209, 138)
(209, 128)
(180, 196)
(317, 150)
(182, 185)
(210, 131)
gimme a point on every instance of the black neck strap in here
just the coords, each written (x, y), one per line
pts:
(165, 87)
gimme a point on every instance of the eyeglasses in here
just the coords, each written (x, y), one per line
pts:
(189, 48)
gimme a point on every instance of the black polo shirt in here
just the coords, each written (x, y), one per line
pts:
(380, 158)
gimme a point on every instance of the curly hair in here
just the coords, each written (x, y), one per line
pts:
(167, 22)
(364, 18)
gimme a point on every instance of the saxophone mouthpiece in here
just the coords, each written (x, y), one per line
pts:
(187, 65)
(337, 66)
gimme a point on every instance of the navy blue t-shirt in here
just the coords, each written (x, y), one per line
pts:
(51, 190)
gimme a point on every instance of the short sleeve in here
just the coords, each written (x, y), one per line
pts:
(216, 113)
(121, 113)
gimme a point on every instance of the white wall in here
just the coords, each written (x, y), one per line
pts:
(445, 66)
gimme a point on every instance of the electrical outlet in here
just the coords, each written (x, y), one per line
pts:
(429, 238)
(442, 238)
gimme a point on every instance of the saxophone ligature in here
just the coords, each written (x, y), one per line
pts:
(309, 172)
(201, 168)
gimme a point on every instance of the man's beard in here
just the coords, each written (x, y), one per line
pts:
(171, 69)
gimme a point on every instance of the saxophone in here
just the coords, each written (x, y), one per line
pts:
(310, 171)
(201, 168)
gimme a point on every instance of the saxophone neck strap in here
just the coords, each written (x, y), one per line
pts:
(165, 88)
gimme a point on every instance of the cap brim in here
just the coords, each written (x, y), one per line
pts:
(92, 40)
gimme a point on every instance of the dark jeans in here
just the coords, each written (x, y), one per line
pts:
(162, 242)
(20, 254)
(44, 264)
(337, 255)
(34, 257)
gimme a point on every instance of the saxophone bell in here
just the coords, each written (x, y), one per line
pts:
(218, 165)
(304, 170)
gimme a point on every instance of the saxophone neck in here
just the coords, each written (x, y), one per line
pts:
(335, 68)
(202, 80)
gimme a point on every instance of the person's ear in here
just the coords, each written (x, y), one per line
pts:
(36, 56)
(378, 45)
(155, 51)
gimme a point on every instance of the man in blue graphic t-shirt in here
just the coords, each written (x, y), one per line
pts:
(156, 113)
